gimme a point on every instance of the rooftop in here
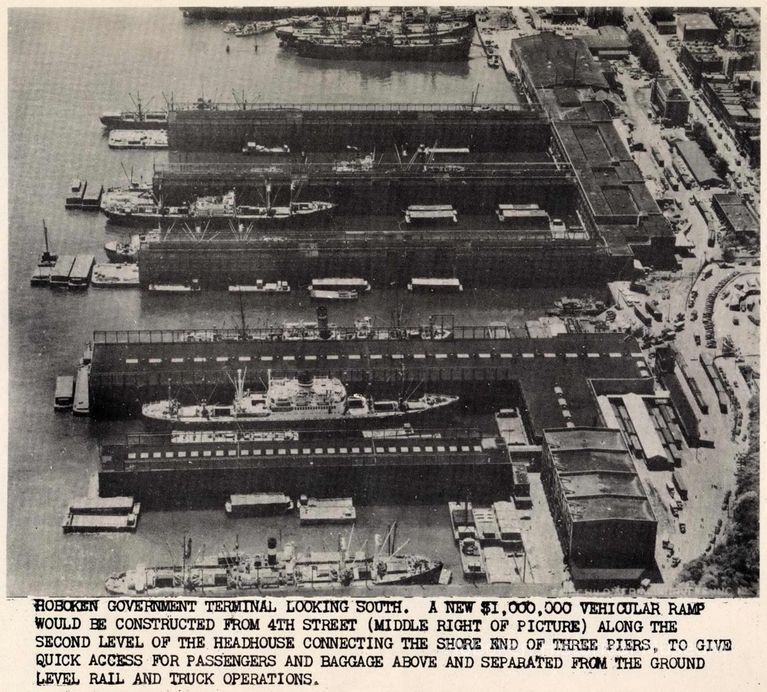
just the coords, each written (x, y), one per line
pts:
(737, 214)
(598, 475)
(549, 60)
(607, 38)
(697, 21)
(696, 161)
(670, 89)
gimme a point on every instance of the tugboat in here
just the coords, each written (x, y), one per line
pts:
(213, 209)
(306, 400)
(121, 252)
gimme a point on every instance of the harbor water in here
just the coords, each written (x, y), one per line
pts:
(65, 68)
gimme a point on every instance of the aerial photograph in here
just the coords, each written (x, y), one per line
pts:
(416, 301)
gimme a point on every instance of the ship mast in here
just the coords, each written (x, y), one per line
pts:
(45, 233)
(242, 319)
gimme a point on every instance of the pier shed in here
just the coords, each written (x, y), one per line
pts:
(601, 511)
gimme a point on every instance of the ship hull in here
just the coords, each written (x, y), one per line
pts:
(119, 218)
(118, 257)
(423, 578)
(441, 52)
(118, 123)
(339, 424)
(209, 580)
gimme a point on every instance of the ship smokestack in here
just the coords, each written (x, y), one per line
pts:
(322, 322)
(271, 554)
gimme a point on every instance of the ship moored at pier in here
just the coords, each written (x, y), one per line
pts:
(213, 209)
(305, 400)
(286, 570)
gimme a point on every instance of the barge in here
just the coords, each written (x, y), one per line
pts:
(330, 510)
(115, 276)
(98, 514)
(257, 504)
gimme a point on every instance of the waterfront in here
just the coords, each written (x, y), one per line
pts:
(56, 95)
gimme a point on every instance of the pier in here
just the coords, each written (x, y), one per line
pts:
(473, 183)
(397, 467)
(333, 127)
(549, 377)
(477, 250)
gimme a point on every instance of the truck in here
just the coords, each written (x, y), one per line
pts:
(679, 483)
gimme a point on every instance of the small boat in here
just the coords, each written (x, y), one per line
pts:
(191, 287)
(494, 61)
(115, 276)
(120, 251)
(247, 30)
(318, 294)
(472, 563)
(257, 505)
(261, 287)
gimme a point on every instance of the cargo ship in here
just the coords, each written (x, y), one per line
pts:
(142, 119)
(285, 570)
(212, 209)
(383, 46)
(372, 24)
(304, 401)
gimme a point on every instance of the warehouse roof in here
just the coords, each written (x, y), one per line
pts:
(696, 161)
(550, 60)
(697, 21)
(670, 89)
(608, 38)
(736, 214)
(598, 475)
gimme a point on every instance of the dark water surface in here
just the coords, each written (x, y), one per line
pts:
(65, 68)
